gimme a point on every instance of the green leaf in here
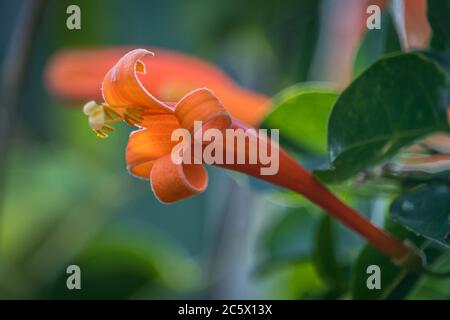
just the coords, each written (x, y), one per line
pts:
(425, 211)
(325, 255)
(297, 280)
(442, 58)
(397, 100)
(376, 43)
(438, 16)
(301, 114)
(289, 239)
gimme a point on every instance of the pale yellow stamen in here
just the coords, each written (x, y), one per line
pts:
(100, 115)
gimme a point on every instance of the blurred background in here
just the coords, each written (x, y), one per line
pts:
(66, 197)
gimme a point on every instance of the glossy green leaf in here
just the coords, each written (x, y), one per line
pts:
(438, 16)
(301, 114)
(376, 43)
(425, 211)
(397, 100)
(442, 58)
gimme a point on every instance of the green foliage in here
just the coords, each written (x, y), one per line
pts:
(387, 108)
(438, 13)
(325, 256)
(393, 103)
(289, 239)
(395, 100)
(425, 211)
(301, 114)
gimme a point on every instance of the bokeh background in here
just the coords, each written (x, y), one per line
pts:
(66, 197)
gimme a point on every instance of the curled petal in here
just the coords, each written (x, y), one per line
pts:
(121, 86)
(171, 182)
(147, 145)
(202, 105)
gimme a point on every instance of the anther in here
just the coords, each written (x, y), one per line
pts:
(100, 115)
(108, 128)
(100, 134)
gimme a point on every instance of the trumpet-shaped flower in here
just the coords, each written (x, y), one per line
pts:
(148, 154)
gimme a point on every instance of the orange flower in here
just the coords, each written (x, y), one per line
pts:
(149, 148)
(173, 75)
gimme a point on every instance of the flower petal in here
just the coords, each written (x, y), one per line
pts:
(171, 182)
(121, 86)
(202, 105)
(147, 145)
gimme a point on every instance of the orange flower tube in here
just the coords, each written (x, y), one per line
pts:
(149, 150)
(173, 75)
